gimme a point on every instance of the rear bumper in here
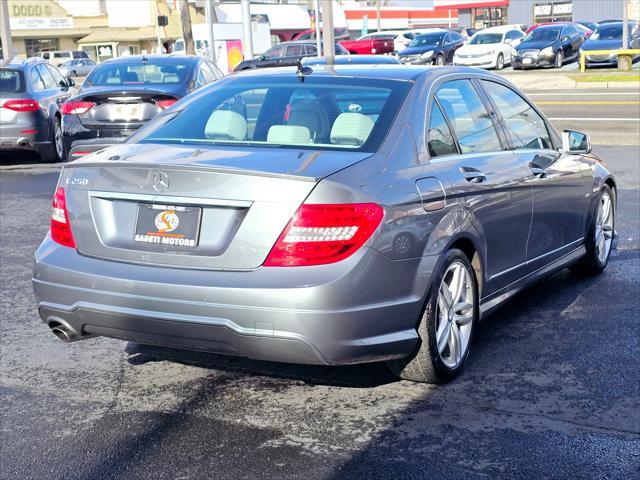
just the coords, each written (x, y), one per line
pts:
(336, 314)
(23, 136)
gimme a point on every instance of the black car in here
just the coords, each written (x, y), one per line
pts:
(435, 47)
(285, 54)
(549, 46)
(122, 94)
(608, 36)
(31, 92)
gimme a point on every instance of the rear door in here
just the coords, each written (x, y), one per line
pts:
(558, 182)
(490, 181)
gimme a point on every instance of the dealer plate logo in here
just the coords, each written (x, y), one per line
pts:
(167, 221)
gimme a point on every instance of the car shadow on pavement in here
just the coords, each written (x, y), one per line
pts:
(354, 376)
(528, 405)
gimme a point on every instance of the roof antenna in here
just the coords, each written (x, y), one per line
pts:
(303, 71)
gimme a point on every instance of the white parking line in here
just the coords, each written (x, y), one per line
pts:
(597, 119)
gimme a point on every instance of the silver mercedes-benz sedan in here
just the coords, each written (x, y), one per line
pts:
(324, 216)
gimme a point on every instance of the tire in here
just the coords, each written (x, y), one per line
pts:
(599, 236)
(500, 62)
(439, 61)
(427, 363)
(558, 61)
(54, 152)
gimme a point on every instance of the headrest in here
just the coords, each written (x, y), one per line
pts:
(130, 77)
(171, 78)
(351, 129)
(289, 134)
(226, 125)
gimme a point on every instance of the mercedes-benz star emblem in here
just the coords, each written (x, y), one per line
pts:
(160, 181)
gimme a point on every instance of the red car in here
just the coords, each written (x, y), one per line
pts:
(370, 44)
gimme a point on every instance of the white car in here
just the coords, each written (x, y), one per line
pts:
(489, 48)
(403, 40)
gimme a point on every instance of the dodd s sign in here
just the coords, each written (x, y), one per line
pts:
(33, 16)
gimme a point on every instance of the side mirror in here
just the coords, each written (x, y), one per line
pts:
(575, 142)
(71, 82)
(565, 38)
(263, 57)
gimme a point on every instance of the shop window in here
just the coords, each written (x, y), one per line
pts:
(134, 50)
(33, 46)
(488, 17)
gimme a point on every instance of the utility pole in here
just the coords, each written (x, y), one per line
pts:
(328, 34)
(185, 19)
(158, 39)
(378, 21)
(5, 30)
(211, 18)
(318, 31)
(247, 38)
(625, 24)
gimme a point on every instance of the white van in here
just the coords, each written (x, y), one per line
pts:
(58, 57)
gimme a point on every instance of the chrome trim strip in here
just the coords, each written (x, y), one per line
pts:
(568, 245)
(169, 199)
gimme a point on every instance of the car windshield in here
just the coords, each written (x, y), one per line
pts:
(485, 38)
(152, 72)
(609, 32)
(427, 39)
(321, 113)
(11, 81)
(544, 34)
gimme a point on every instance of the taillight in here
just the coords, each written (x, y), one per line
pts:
(60, 228)
(76, 107)
(164, 104)
(22, 105)
(321, 234)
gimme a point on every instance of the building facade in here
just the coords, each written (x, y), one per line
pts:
(529, 12)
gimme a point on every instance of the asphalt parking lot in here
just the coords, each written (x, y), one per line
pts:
(552, 389)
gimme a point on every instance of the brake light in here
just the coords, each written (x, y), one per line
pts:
(321, 234)
(76, 107)
(164, 104)
(60, 228)
(22, 105)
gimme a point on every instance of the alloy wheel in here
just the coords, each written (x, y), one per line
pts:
(559, 60)
(454, 314)
(439, 60)
(57, 138)
(500, 62)
(604, 227)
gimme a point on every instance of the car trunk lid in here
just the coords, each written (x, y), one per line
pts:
(125, 202)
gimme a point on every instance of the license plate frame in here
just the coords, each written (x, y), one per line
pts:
(527, 61)
(162, 226)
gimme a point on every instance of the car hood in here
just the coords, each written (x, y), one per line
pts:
(286, 162)
(474, 49)
(418, 50)
(533, 45)
(602, 44)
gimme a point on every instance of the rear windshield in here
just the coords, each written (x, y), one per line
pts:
(610, 32)
(321, 113)
(428, 39)
(155, 72)
(485, 38)
(11, 81)
(544, 34)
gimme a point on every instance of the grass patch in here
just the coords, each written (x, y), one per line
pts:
(606, 77)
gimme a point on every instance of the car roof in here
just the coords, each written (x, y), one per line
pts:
(164, 58)
(19, 63)
(406, 73)
(499, 29)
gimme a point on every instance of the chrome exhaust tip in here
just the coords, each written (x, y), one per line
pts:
(24, 143)
(64, 332)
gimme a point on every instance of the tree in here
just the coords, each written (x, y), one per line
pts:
(187, 34)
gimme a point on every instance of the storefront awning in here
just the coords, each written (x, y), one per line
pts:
(109, 35)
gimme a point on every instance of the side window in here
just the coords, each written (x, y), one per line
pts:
(36, 82)
(49, 82)
(275, 52)
(312, 51)
(526, 129)
(295, 51)
(439, 138)
(447, 39)
(215, 70)
(206, 73)
(468, 116)
(57, 76)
